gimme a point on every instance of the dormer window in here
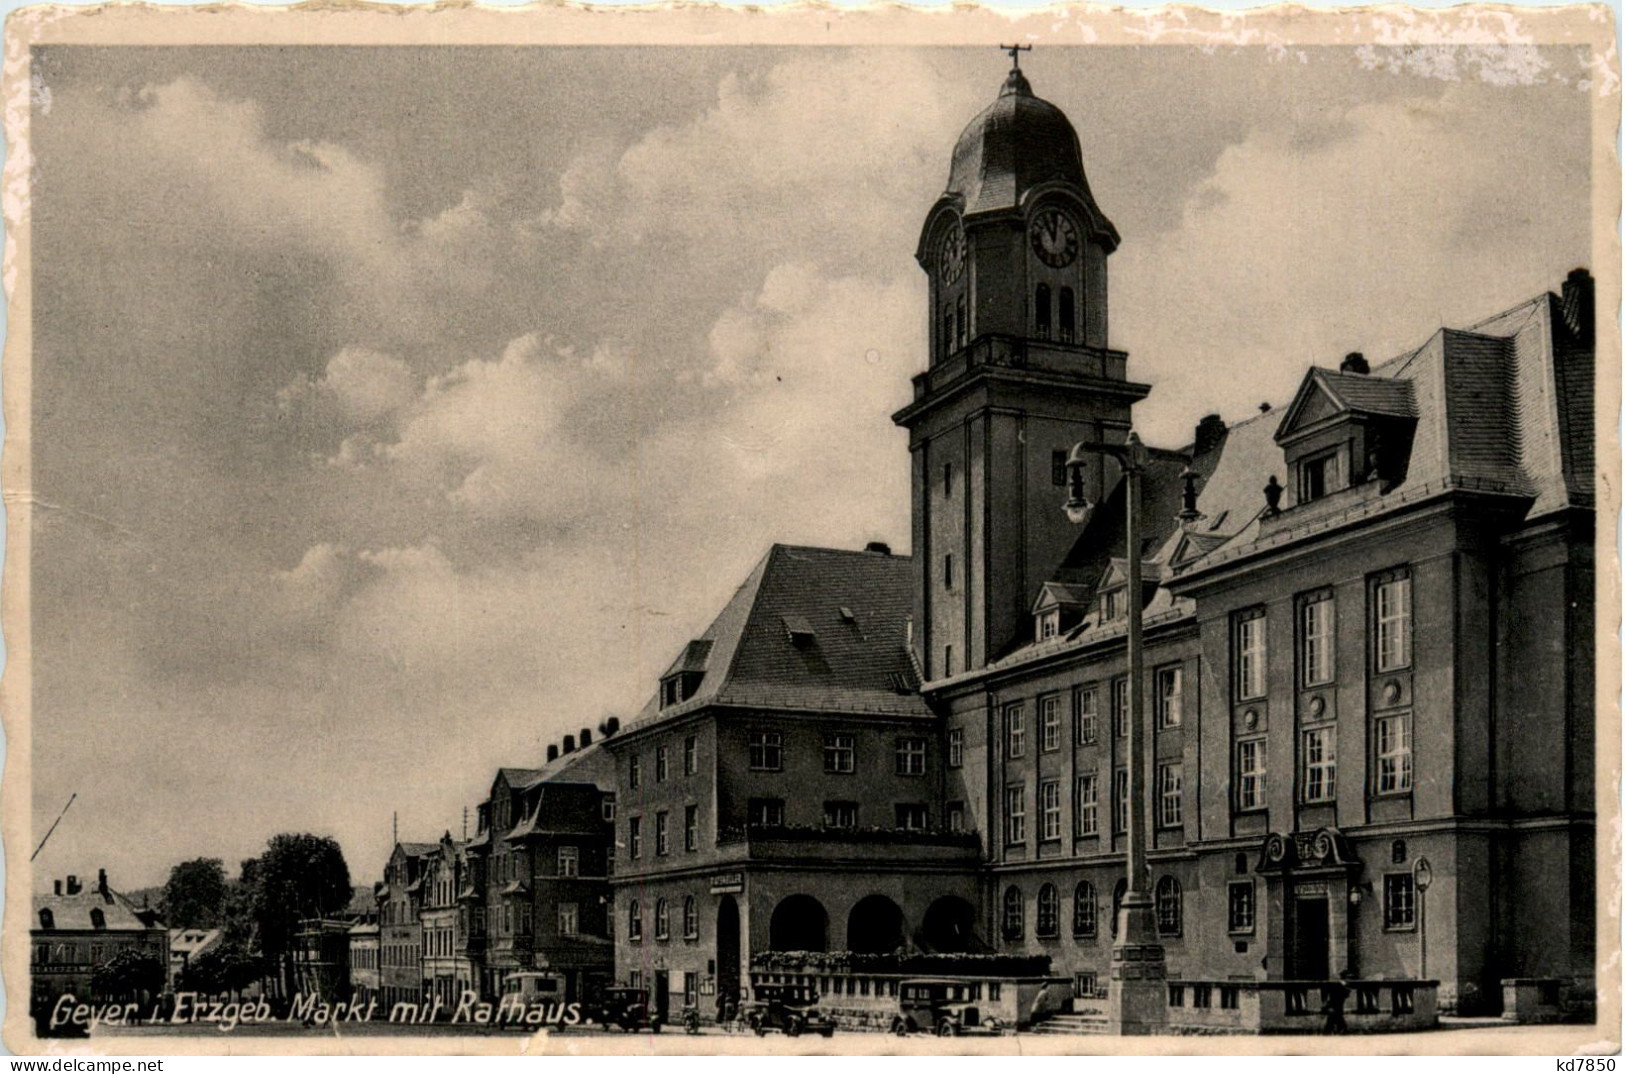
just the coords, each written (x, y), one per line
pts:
(671, 691)
(1318, 476)
(1049, 624)
(1113, 604)
(47, 920)
(98, 920)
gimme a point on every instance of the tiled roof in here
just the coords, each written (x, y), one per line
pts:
(1368, 394)
(74, 911)
(829, 662)
(520, 777)
(419, 850)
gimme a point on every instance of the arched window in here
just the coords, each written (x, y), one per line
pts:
(1069, 316)
(1049, 911)
(1118, 891)
(98, 920)
(1014, 926)
(1170, 907)
(662, 920)
(691, 918)
(47, 920)
(634, 921)
(1083, 909)
(1041, 311)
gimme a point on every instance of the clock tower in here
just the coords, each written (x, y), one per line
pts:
(1015, 251)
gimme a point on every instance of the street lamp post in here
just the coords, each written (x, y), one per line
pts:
(1422, 873)
(1138, 1002)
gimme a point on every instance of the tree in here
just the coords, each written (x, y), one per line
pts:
(299, 877)
(227, 967)
(195, 896)
(131, 974)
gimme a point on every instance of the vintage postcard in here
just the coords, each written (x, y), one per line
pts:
(695, 530)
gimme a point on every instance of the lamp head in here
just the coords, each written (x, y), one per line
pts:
(1077, 504)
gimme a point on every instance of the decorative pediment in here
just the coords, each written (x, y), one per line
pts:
(1326, 848)
(1314, 404)
(1054, 595)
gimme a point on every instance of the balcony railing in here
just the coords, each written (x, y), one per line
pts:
(806, 833)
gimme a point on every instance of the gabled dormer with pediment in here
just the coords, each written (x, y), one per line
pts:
(1345, 429)
(1060, 607)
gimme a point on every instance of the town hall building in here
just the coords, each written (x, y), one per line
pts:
(1368, 648)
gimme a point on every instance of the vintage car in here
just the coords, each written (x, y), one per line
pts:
(942, 1005)
(793, 1009)
(627, 1008)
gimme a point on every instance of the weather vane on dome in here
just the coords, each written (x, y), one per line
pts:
(1015, 52)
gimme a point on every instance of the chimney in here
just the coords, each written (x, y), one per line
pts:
(1354, 362)
(586, 738)
(879, 548)
(101, 881)
(73, 885)
(612, 725)
(1580, 305)
(1209, 433)
(552, 751)
(57, 884)
(569, 744)
(1264, 407)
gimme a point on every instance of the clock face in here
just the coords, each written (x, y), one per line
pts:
(951, 259)
(1055, 238)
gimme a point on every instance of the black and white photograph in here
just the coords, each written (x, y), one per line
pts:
(811, 531)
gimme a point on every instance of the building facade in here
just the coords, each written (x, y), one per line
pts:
(1369, 688)
(784, 789)
(76, 929)
(539, 864)
(447, 971)
(400, 925)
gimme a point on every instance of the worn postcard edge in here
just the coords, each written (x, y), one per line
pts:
(559, 24)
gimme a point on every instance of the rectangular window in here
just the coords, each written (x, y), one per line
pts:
(662, 844)
(956, 816)
(691, 755)
(1057, 468)
(1250, 654)
(670, 692)
(1113, 605)
(912, 816)
(609, 808)
(1398, 901)
(660, 764)
(691, 984)
(634, 771)
(1120, 707)
(767, 812)
(840, 753)
(1393, 608)
(1049, 801)
(1087, 712)
(1049, 722)
(1243, 912)
(1317, 620)
(1120, 800)
(569, 919)
(1250, 774)
(1394, 754)
(1170, 696)
(840, 814)
(1088, 809)
(1318, 477)
(961, 325)
(1320, 764)
(767, 751)
(948, 571)
(1049, 625)
(947, 479)
(1015, 730)
(1171, 794)
(691, 828)
(634, 837)
(569, 861)
(911, 757)
(524, 919)
(1015, 815)
(956, 747)
(947, 660)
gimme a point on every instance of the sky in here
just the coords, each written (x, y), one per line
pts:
(397, 411)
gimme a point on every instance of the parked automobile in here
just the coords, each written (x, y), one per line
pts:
(627, 1008)
(792, 1009)
(942, 1005)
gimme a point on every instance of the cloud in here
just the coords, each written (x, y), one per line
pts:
(362, 385)
(1292, 254)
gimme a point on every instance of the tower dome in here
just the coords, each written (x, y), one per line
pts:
(1018, 142)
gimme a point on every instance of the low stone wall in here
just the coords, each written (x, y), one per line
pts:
(1217, 1007)
(860, 1001)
